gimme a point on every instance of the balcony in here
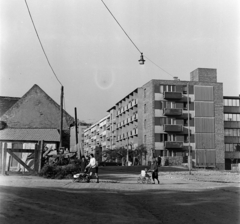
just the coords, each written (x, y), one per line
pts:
(134, 117)
(231, 124)
(232, 155)
(172, 95)
(172, 112)
(173, 145)
(172, 128)
(231, 109)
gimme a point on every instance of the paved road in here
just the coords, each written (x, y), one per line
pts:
(118, 199)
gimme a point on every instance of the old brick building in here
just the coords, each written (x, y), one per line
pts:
(156, 115)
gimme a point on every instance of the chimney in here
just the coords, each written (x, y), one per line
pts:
(176, 78)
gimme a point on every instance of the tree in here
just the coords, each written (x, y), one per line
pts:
(113, 154)
(140, 151)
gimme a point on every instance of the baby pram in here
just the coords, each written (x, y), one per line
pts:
(144, 178)
(82, 177)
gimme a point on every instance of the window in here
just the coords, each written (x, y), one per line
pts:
(232, 132)
(185, 106)
(231, 102)
(145, 93)
(231, 147)
(225, 117)
(161, 88)
(172, 138)
(145, 108)
(145, 123)
(160, 137)
(158, 104)
(184, 89)
(145, 139)
(225, 102)
(235, 132)
(238, 117)
(170, 104)
(231, 117)
(227, 147)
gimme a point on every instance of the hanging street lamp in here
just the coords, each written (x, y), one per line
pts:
(141, 61)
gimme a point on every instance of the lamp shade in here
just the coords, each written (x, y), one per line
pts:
(141, 60)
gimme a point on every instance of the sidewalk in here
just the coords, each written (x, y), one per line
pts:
(116, 180)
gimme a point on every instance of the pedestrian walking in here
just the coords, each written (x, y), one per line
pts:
(154, 169)
(93, 168)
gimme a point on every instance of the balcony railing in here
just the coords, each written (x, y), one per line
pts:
(172, 112)
(172, 95)
(172, 128)
(173, 145)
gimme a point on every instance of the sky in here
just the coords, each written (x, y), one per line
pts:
(96, 62)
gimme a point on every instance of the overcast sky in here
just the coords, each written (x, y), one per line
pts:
(96, 62)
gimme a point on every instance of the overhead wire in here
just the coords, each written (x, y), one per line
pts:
(42, 44)
(120, 26)
(132, 40)
(158, 66)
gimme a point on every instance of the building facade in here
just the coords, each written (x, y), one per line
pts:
(231, 130)
(156, 115)
(97, 138)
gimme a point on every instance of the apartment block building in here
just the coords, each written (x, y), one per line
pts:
(156, 115)
(232, 130)
(97, 137)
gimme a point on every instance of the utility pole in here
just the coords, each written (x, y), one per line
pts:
(189, 147)
(76, 132)
(61, 115)
(76, 125)
(127, 151)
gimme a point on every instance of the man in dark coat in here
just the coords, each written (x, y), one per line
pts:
(154, 169)
(159, 159)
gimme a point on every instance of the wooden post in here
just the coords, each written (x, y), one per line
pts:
(76, 126)
(1, 151)
(4, 155)
(41, 145)
(36, 150)
(9, 163)
(61, 116)
(189, 145)
(76, 132)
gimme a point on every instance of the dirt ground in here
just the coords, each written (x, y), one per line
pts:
(204, 197)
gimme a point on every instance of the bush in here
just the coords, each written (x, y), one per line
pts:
(54, 171)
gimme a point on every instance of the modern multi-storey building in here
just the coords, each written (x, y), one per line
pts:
(232, 130)
(96, 137)
(156, 115)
